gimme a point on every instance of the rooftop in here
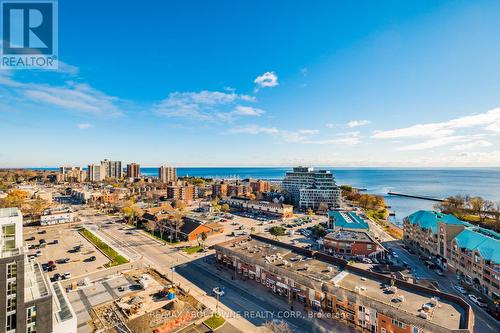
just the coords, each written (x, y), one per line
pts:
(353, 236)
(317, 272)
(444, 314)
(347, 220)
(487, 242)
(427, 219)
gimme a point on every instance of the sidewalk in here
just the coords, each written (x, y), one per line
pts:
(281, 302)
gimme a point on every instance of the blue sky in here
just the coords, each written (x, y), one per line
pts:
(224, 83)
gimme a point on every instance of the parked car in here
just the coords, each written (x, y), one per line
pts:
(460, 289)
(479, 301)
(41, 232)
(56, 277)
(62, 261)
(93, 258)
(55, 241)
(38, 253)
(367, 260)
(30, 239)
(66, 275)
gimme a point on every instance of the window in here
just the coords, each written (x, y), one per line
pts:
(11, 270)
(398, 323)
(11, 287)
(31, 314)
(9, 237)
(11, 304)
(11, 322)
(369, 247)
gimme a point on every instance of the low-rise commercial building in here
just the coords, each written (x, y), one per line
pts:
(365, 299)
(265, 207)
(352, 244)
(57, 216)
(344, 220)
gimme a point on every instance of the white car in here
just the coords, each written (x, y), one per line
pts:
(478, 301)
(367, 261)
(66, 275)
(460, 289)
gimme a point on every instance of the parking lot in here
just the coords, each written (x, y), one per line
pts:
(67, 238)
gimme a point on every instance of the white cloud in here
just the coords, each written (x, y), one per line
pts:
(67, 68)
(73, 97)
(254, 129)
(206, 105)
(346, 139)
(241, 110)
(474, 144)
(84, 126)
(266, 80)
(433, 143)
(489, 120)
(357, 123)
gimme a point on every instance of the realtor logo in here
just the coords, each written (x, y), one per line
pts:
(29, 34)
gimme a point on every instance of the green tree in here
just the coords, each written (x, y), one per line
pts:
(277, 231)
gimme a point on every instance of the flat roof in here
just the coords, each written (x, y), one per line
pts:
(445, 314)
(344, 219)
(289, 260)
(350, 236)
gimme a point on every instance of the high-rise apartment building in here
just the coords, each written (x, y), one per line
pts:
(167, 174)
(219, 189)
(309, 188)
(71, 174)
(133, 170)
(112, 169)
(260, 186)
(96, 173)
(28, 303)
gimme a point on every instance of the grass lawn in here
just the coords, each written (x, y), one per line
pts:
(193, 249)
(215, 321)
(156, 235)
(116, 259)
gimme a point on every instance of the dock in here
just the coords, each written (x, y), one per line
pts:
(415, 196)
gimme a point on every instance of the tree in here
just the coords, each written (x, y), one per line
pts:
(203, 236)
(277, 327)
(15, 198)
(161, 225)
(131, 212)
(277, 231)
(215, 205)
(36, 207)
(180, 205)
(175, 222)
(319, 230)
(225, 208)
(151, 226)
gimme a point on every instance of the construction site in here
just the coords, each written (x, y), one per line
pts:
(147, 302)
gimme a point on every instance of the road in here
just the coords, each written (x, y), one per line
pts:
(239, 305)
(484, 323)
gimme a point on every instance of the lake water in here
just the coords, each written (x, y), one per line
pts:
(438, 183)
